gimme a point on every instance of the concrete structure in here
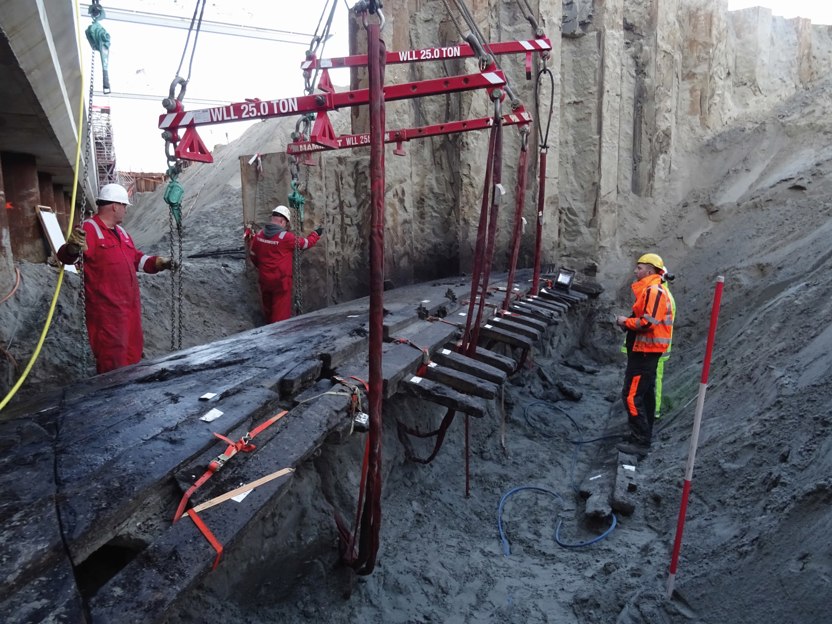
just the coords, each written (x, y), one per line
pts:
(40, 70)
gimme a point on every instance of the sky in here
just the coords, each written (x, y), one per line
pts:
(144, 59)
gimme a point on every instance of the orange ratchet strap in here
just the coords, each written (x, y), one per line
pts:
(243, 444)
(206, 533)
(423, 368)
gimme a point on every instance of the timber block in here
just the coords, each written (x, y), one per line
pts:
(149, 441)
(496, 360)
(547, 316)
(522, 317)
(499, 334)
(569, 299)
(471, 366)
(469, 384)
(545, 302)
(624, 489)
(432, 301)
(597, 489)
(443, 395)
(300, 377)
(400, 359)
(515, 327)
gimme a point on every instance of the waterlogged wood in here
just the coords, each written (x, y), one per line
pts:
(550, 317)
(513, 326)
(443, 395)
(471, 366)
(523, 317)
(548, 302)
(182, 553)
(489, 332)
(465, 383)
(110, 458)
(496, 360)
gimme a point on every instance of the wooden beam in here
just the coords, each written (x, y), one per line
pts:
(471, 366)
(468, 384)
(443, 395)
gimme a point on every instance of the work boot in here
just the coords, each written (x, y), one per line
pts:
(633, 446)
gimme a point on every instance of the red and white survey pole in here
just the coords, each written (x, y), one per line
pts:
(694, 438)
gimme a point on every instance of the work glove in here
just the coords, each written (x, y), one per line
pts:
(76, 244)
(163, 263)
(319, 230)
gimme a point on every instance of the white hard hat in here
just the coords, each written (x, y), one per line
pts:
(282, 211)
(113, 193)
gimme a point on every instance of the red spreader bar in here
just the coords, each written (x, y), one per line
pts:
(460, 50)
(318, 143)
(190, 147)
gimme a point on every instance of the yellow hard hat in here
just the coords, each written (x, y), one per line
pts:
(653, 259)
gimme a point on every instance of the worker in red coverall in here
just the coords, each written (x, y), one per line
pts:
(111, 288)
(649, 333)
(272, 250)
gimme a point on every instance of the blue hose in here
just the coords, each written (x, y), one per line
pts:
(537, 488)
(595, 539)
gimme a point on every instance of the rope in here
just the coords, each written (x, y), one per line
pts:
(403, 431)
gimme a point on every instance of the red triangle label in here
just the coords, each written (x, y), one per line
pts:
(191, 147)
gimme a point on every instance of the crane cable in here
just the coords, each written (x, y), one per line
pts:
(174, 193)
(543, 136)
(51, 312)
(302, 130)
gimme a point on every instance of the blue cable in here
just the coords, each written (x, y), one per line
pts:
(595, 539)
(537, 488)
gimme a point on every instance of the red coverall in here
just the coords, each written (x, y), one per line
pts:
(273, 258)
(111, 288)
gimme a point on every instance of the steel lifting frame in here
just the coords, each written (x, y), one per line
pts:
(322, 137)
(191, 147)
(461, 50)
(345, 141)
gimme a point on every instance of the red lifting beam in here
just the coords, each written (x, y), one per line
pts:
(346, 141)
(265, 109)
(461, 50)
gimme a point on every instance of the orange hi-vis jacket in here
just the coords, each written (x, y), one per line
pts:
(652, 318)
